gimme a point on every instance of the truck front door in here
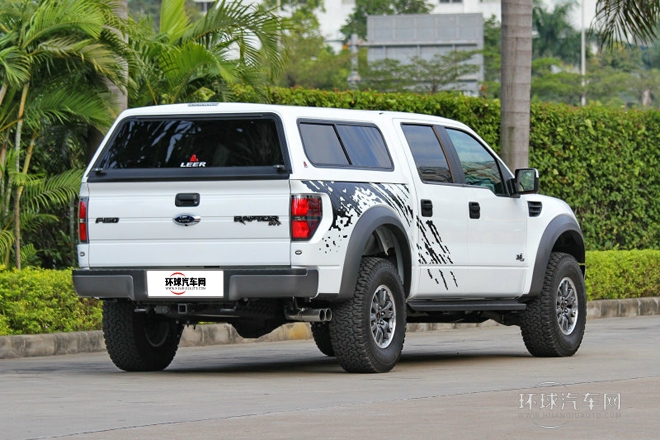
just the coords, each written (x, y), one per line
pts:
(441, 229)
(497, 221)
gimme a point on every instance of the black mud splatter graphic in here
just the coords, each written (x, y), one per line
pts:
(350, 200)
(432, 251)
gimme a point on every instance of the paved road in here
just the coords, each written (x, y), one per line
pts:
(473, 382)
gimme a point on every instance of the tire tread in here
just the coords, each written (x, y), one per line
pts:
(122, 341)
(350, 338)
(321, 335)
(538, 325)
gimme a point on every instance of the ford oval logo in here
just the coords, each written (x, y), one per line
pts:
(186, 219)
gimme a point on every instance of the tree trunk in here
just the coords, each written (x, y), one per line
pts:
(3, 92)
(17, 152)
(646, 99)
(516, 81)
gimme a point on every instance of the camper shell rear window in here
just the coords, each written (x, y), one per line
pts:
(194, 147)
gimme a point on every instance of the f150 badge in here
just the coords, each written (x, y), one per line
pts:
(107, 220)
(186, 219)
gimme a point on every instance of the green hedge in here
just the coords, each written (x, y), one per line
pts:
(602, 161)
(623, 274)
(43, 301)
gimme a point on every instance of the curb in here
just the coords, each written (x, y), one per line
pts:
(20, 346)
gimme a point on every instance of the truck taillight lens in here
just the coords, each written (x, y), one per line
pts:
(82, 220)
(306, 213)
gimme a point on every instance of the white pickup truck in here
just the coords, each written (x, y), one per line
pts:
(356, 221)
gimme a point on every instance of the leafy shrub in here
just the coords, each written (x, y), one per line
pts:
(623, 274)
(44, 301)
(4, 326)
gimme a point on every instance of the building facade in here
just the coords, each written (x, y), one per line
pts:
(337, 12)
(402, 37)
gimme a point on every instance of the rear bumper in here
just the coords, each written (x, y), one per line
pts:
(239, 284)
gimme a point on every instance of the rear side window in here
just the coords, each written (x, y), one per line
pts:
(336, 144)
(322, 144)
(194, 142)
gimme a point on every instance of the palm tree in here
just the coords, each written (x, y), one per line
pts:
(555, 36)
(516, 81)
(615, 20)
(54, 58)
(197, 61)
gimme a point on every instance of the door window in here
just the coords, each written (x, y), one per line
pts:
(479, 166)
(429, 157)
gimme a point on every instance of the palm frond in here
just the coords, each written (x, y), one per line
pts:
(6, 242)
(252, 29)
(33, 221)
(29, 256)
(52, 191)
(13, 13)
(114, 14)
(627, 20)
(8, 109)
(53, 18)
(69, 102)
(182, 64)
(14, 66)
(173, 18)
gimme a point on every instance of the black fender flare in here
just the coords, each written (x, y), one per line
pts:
(366, 225)
(558, 226)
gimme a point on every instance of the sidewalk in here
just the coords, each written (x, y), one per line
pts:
(220, 334)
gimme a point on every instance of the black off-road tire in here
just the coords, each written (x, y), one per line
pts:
(321, 334)
(139, 341)
(551, 326)
(354, 343)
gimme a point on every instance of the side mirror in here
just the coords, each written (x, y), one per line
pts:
(527, 181)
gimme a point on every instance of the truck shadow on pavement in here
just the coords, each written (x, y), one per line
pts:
(322, 364)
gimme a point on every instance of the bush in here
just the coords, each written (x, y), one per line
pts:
(623, 274)
(44, 301)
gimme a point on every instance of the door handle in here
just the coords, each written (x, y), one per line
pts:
(187, 199)
(427, 208)
(475, 210)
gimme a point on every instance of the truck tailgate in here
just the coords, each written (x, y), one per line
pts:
(236, 223)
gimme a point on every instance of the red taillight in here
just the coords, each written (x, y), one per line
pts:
(82, 220)
(306, 213)
(299, 206)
